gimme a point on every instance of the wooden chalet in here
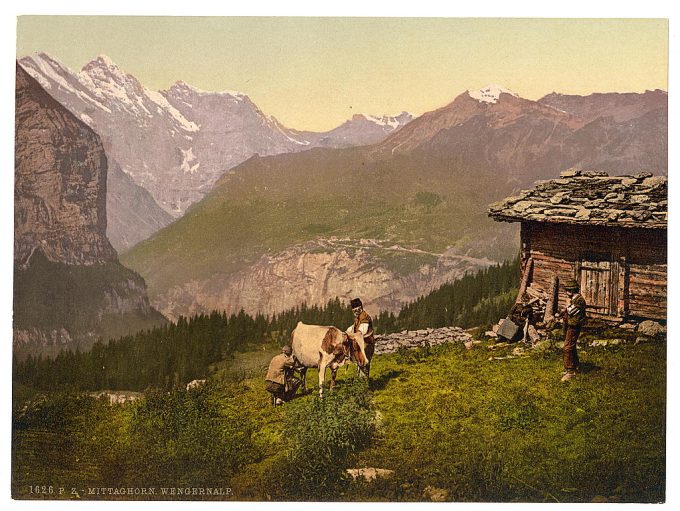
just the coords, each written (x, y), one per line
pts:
(609, 233)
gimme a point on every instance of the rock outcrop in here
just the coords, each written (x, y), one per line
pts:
(69, 288)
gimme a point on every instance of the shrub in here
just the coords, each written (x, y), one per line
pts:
(322, 435)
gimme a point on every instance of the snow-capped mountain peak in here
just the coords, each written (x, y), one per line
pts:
(106, 60)
(183, 86)
(103, 65)
(390, 122)
(490, 93)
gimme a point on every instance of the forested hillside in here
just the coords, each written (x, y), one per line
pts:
(174, 354)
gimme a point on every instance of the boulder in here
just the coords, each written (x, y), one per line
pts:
(370, 473)
(650, 328)
(606, 342)
(436, 494)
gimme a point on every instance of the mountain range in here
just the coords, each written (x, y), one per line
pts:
(391, 220)
(174, 144)
(265, 217)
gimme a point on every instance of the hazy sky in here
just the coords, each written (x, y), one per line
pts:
(314, 73)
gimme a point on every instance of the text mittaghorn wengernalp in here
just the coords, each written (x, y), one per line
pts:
(186, 491)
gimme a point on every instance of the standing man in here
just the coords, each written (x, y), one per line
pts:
(574, 319)
(364, 324)
(280, 381)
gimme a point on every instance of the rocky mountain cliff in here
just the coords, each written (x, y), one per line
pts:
(258, 239)
(69, 288)
(176, 143)
(317, 271)
(60, 182)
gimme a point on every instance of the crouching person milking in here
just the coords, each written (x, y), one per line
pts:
(364, 324)
(280, 381)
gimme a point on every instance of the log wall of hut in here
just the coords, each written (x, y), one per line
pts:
(622, 271)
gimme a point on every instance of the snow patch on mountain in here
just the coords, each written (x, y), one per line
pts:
(383, 121)
(490, 93)
(87, 119)
(47, 66)
(162, 103)
(188, 158)
(389, 121)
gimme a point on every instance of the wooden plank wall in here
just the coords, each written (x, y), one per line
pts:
(638, 255)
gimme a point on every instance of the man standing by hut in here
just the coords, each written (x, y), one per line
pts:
(574, 319)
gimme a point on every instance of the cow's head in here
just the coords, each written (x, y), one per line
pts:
(357, 348)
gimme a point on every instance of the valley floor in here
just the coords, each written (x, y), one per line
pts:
(452, 424)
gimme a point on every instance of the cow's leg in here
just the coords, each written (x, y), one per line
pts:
(369, 349)
(322, 373)
(334, 373)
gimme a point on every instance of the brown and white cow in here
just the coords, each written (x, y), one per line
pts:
(326, 346)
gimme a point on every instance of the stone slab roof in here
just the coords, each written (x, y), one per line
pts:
(590, 198)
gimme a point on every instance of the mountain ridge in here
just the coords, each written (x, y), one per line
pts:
(425, 187)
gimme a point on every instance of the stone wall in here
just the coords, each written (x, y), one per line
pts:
(409, 339)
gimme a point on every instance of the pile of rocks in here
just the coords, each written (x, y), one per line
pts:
(117, 397)
(591, 197)
(410, 339)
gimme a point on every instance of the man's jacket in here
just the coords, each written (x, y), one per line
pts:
(575, 314)
(364, 318)
(278, 367)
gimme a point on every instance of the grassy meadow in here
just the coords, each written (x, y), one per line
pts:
(453, 424)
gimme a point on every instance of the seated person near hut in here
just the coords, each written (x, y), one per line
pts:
(280, 381)
(521, 316)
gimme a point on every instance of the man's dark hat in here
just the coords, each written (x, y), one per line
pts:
(571, 285)
(356, 302)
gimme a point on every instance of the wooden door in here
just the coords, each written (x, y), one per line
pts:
(599, 281)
